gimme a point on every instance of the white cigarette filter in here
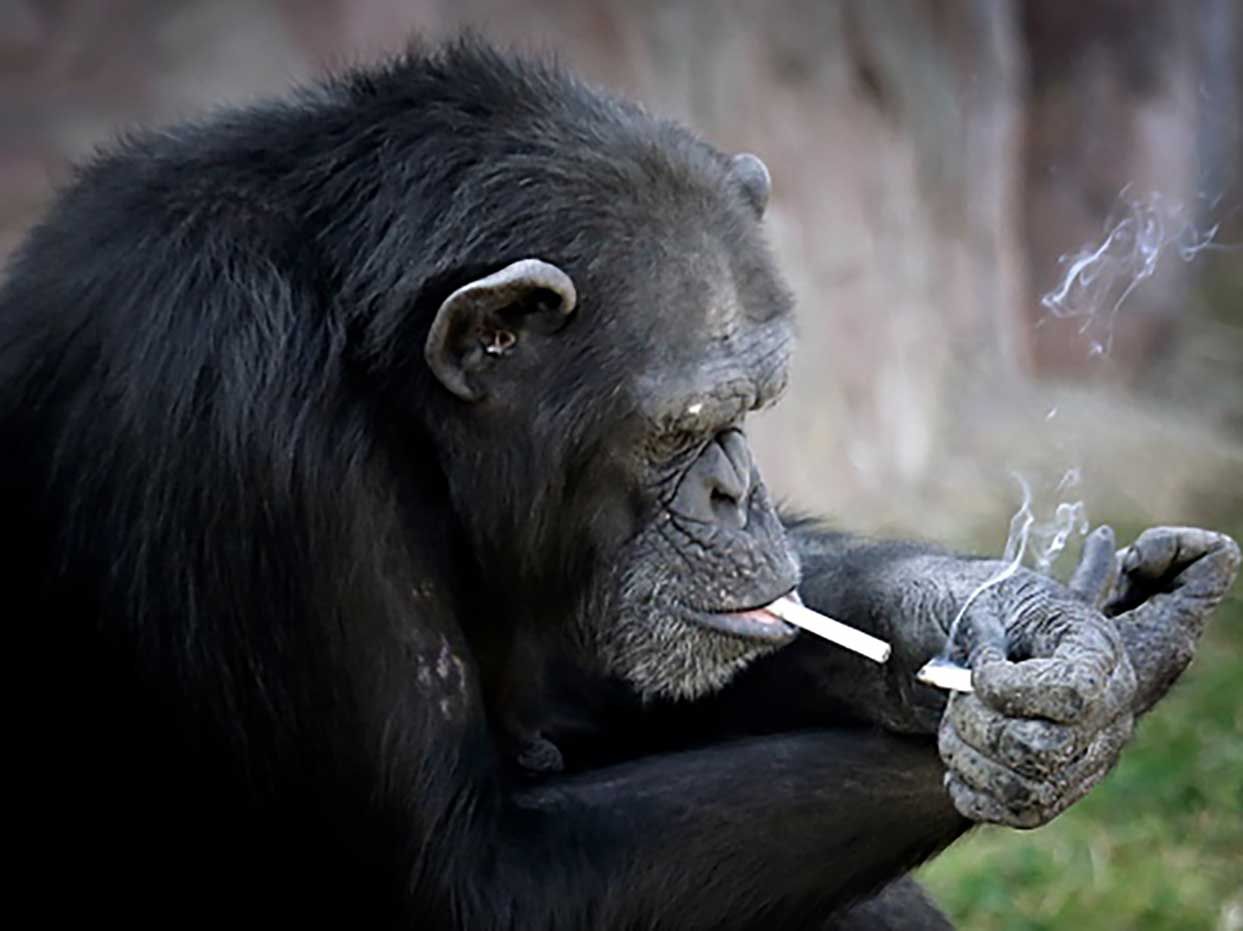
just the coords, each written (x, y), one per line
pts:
(842, 634)
(944, 674)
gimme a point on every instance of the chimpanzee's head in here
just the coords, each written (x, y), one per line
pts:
(601, 318)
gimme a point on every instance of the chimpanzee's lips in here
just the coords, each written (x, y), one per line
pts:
(753, 624)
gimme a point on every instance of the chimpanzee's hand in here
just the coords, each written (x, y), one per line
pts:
(1168, 583)
(1022, 772)
(1052, 707)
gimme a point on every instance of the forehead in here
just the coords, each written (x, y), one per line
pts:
(719, 324)
(712, 288)
(713, 305)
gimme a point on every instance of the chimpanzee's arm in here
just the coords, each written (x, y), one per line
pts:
(1060, 671)
(769, 832)
(1172, 578)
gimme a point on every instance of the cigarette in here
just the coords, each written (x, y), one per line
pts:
(843, 635)
(943, 674)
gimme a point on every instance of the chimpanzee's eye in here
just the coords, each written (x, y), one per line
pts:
(674, 442)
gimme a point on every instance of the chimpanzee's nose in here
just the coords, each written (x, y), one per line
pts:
(717, 487)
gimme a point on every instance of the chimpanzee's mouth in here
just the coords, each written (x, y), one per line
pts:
(759, 624)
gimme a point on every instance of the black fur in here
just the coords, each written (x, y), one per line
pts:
(282, 588)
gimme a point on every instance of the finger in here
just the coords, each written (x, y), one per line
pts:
(1160, 647)
(982, 790)
(1094, 577)
(1160, 635)
(1159, 550)
(1033, 688)
(1074, 782)
(1035, 747)
(1060, 687)
(1073, 631)
(1206, 566)
(1162, 559)
(1031, 747)
(1143, 564)
(978, 806)
(1013, 795)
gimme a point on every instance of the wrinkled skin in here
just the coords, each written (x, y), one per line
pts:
(1038, 734)
(1171, 579)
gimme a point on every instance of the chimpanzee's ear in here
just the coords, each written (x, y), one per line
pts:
(751, 175)
(482, 322)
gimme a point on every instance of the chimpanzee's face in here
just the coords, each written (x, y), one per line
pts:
(710, 549)
(641, 496)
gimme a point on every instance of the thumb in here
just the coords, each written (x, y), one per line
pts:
(1160, 635)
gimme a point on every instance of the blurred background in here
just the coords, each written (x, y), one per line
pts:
(1015, 230)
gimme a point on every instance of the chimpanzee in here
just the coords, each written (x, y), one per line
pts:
(378, 494)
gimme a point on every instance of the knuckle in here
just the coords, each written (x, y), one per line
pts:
(1067, 701)
(976, 806)
(1085, 683)
(1036, 748)
(1016, 793)
(1152, 550)
(996, 687)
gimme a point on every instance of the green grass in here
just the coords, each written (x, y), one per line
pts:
(1158, 845)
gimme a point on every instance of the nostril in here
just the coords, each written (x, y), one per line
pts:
(718, 486)
(728, 509)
